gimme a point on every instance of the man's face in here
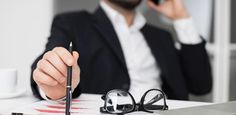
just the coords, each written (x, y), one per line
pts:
(127, 4)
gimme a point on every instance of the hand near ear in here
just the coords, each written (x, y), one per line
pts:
(173, 9)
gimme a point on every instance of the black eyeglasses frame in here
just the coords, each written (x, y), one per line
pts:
(136, 106)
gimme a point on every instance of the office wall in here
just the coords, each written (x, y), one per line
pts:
(24, 27)
(233, 53)
(233, 23)
(72, 5)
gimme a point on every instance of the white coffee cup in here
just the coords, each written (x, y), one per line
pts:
(8, 80)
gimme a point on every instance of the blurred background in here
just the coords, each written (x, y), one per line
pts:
(25, 26)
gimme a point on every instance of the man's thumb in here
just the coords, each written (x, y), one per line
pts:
(76, 56)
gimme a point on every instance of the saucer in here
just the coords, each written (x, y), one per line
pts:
(17, 93)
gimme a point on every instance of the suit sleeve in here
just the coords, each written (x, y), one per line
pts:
(60, 37)
(196, 68)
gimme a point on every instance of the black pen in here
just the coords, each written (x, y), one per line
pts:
(68, 85)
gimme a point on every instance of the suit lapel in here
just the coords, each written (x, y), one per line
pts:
(106, 29)
(156, 46)
(167, 63)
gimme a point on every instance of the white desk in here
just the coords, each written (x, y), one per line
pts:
(7, 105)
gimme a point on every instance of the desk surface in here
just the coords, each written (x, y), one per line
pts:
(8, 105)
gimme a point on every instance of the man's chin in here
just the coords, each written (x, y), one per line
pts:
(126, 4)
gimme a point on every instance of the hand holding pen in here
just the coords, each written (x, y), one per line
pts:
(51, 72)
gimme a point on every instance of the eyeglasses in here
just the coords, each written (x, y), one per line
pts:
(120, 102)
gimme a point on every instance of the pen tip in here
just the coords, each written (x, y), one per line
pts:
(70, 44)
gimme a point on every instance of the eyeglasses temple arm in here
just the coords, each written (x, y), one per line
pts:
(155, 99)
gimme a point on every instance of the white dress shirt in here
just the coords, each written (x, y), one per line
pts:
(142, 67)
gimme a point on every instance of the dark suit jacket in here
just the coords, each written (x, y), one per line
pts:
(102, 62)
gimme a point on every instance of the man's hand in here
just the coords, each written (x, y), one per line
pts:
(51, 72)
(173, 9)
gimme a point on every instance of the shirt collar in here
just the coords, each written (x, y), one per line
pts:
(114, 16)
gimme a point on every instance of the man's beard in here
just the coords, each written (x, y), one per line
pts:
(127, 4)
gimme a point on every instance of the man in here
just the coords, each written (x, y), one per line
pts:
(114, 48)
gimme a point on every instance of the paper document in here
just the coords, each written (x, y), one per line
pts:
(85, 104)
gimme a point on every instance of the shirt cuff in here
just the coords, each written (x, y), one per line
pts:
(186, 31)
(43, 95)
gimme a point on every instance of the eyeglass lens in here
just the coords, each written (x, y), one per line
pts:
(153, 100)
(119, 102)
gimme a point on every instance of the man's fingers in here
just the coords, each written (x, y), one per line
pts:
(56, 61)
(42, 78)
(65, 55)
(153, 5)
(75, 67)
(75, 55)
(76, 71)
(150, 3)
(53, 67)
(50, 70)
